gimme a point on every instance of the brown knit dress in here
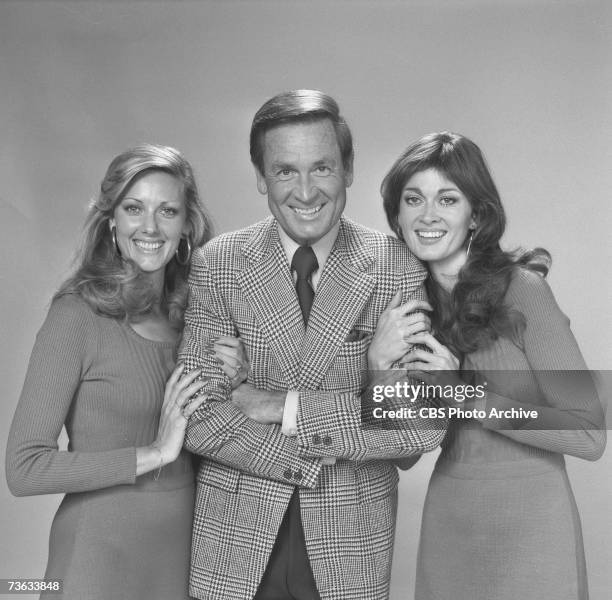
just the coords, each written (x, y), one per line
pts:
(500, 521)
(115, 536)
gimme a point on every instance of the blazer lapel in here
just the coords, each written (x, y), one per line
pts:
(343, 291)
(268, 288)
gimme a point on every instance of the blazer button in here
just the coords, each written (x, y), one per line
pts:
(288, 474)
(316, 438)
(327, 440)
(298, 475)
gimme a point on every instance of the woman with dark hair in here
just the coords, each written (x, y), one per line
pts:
(104, 366)
(500, 520)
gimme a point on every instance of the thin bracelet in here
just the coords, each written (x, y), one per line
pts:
(161, 461)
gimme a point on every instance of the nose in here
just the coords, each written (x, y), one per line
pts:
(430, 213)
(149, 223)
(305, 190)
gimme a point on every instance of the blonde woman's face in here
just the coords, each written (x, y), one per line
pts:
(150, 221)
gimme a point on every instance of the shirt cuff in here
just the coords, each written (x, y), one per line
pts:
(289, 425)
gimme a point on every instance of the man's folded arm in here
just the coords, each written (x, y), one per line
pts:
(342, 425)
(219, 429)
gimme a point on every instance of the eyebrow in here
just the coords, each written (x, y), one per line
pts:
(326, 160)
(440, 191)
(275, 166)
(133, 199)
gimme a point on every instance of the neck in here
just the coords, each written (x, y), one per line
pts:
(446, 281)
(446, 273)
(157, 280)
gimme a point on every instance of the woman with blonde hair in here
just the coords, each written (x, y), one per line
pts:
(103, 366)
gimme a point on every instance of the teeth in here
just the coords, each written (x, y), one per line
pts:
(307, 211)
(431, 234)
(148, 245)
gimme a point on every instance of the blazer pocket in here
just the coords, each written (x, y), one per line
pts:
(357, 335)
(219, 476)
(355, 349)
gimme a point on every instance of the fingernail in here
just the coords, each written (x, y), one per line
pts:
(218, 361)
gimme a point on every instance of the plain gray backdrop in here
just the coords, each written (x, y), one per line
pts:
(528, 81)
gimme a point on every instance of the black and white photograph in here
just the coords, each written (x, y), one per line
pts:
(306, 299)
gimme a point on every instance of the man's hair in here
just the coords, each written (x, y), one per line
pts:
(299, 106)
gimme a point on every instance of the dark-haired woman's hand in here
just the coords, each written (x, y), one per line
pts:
(395, 327)
(435, 366)
(233, 359)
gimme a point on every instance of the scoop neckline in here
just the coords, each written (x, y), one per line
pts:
(125, 324)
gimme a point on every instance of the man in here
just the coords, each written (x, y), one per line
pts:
(294, 500)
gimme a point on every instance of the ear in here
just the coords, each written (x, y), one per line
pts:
(111, 224)
(348, 175)
(262, 186)
(472, 223)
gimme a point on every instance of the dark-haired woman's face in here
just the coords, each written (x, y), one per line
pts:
(435, 218)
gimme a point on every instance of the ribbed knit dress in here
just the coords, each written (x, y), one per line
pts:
(115, 536)
(500, 521)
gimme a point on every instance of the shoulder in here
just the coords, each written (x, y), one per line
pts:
(525, 284)
(230, 244)
(71, 323)
(70, 308)
(389, 253)
(530, 293)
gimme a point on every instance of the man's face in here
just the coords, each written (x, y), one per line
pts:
(304, 178)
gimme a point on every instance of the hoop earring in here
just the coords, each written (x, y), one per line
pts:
(114, 238)
(470, 243)
(183, 261)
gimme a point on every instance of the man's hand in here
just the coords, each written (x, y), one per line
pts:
(260, 405)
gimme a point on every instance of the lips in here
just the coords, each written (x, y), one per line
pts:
(147, 246)
(307, 211)
(435, 234)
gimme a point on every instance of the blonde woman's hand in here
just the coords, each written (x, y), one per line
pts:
(179, 404)
(232, 357)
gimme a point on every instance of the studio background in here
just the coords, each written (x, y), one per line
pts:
(528, 81)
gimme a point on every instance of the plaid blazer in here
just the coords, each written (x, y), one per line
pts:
(241, 284)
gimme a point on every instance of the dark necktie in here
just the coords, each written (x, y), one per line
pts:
(304, 263)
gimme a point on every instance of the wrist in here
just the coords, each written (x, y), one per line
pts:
(377, 364)
(162, 455)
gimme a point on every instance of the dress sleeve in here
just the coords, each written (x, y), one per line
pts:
(572, 419)
(64, 349)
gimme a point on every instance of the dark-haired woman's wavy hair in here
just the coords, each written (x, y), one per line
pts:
(114, 286)
(474, 313)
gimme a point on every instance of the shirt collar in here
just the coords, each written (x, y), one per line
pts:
(322, 248)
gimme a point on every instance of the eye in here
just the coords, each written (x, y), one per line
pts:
(323, 171)
(284, 174)
(448, 200)
(168, 211)
(412, 200)
(132, 209)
